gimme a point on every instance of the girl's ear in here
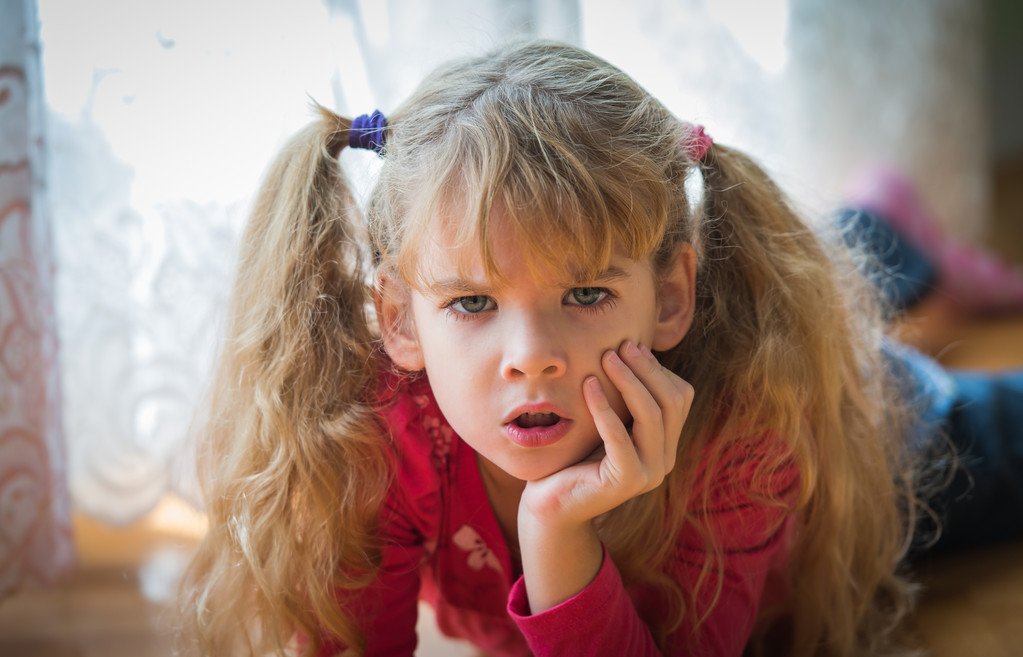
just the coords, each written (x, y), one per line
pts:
(676, 299)
(393, 310)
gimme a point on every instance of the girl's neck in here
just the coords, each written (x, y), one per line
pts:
(504, 492)
(501, 486)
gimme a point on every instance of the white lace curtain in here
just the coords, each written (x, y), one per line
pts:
(35, 518)
(163, 115)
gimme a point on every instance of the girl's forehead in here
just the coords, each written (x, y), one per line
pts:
(491, 237)
(446, 261)
(453, 253)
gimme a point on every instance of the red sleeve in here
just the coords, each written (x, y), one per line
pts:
(599, 620)
(754, 539)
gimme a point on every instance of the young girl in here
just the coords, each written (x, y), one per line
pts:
(580, 379)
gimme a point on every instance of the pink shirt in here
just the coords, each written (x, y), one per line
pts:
(442, 543)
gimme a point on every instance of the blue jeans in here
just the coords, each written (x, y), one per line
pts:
(981, 413)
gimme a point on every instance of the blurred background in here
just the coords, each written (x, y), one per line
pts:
(133, 134)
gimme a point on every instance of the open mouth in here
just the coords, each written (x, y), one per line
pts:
(530, 420)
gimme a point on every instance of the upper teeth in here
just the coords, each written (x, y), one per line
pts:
(535, 419)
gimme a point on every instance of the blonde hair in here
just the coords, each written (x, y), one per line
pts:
(786, 341)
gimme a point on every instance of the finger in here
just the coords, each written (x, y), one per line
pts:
(673, 395)
(621, 455)
(687, 393)
(647, 419)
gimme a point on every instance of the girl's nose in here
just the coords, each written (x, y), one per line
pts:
(533, 353)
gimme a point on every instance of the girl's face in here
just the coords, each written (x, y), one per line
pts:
(507, 362)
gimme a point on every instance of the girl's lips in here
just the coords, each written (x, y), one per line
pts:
(535, 408)
(538, 436)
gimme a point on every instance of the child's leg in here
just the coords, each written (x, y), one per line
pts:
(982, 416)
(903, 273)
(969, 281)
(985, 499)
(907, 278)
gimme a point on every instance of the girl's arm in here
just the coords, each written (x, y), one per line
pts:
(602, 619)
(571, 599)
(754, 537)
(561, 553)
(562, 558)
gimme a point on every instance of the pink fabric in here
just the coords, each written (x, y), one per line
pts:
(35, 526)
(443, 544)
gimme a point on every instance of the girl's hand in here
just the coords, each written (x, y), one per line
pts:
(629, 463)
(561, 553)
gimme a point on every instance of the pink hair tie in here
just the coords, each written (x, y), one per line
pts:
(697, 142)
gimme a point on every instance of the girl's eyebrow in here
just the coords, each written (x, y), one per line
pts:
(609, 275)
(450, 287)
(455, 286)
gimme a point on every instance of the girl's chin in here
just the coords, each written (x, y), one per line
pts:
(541, 468)
(534, 474)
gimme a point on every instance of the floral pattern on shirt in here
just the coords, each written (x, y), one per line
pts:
(480, 555)
(438, 431)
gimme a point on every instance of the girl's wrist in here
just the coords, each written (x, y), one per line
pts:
(536, 522)
(559, 559)
(555, 508)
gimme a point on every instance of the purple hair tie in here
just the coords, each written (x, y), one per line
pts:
(368, 131)
(697, 142)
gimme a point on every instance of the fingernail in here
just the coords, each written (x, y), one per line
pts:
(632, 350)
(646, 351)
(613, 357)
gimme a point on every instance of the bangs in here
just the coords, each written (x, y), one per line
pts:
(575, 198)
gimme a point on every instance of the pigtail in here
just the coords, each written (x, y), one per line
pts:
(292, 457)
(787, 335)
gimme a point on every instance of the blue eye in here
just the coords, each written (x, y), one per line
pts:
(587, 296)
(470, 305)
